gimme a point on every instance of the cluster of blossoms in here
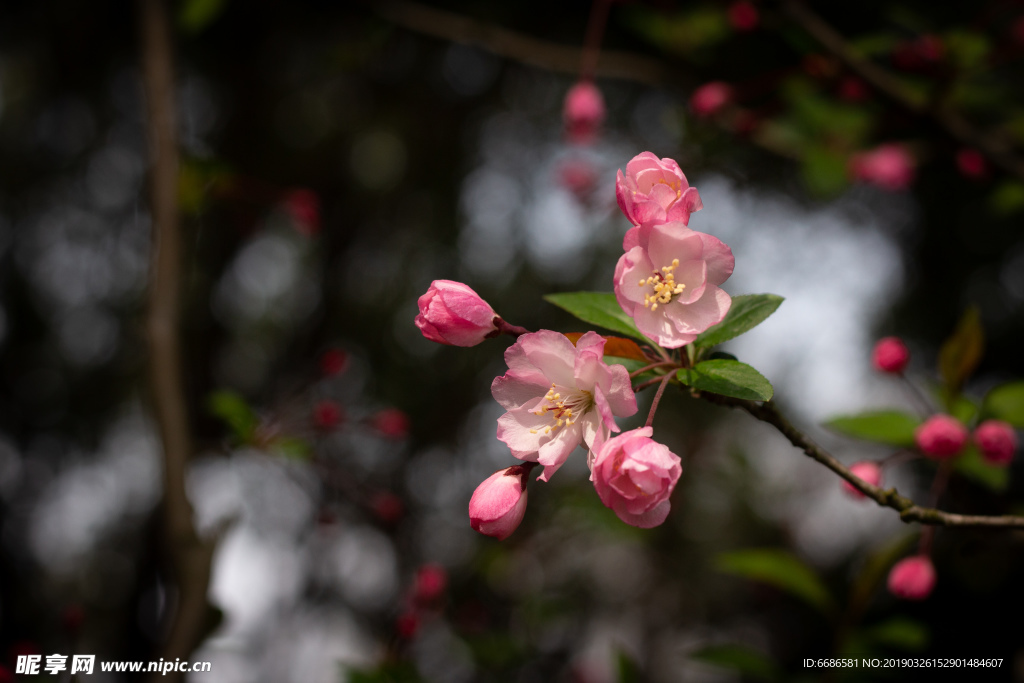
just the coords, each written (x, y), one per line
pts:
(559, 395)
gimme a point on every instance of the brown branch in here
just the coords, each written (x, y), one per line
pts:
(908, 509)
(956, 126)
(517, 46)
(190, 557)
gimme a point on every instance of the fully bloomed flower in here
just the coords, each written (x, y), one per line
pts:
(655, 190)
(452, 313)
(634, 476)
(667, 281)
(558, 396)
(888, 166)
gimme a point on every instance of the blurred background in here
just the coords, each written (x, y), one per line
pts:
(338, 157)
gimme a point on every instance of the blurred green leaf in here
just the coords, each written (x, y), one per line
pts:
(628, 671)
(967, 49)
(292, 447)
(782, 570)
(961, 353)
(746, 312)
(1008, 197)
(598, 308)
(195, 15)
(963, 409)
(681, 33)
(235, 411)
(824, 170)
(1006, 402)
(899, 632)
(974, 467)
(874, 44)
(728, 378)
(881, 426)
(745, 660)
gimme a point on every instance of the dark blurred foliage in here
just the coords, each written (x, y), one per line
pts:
(334, 163)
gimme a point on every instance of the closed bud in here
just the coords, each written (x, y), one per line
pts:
(452, 313)
(890, 355)
(499, 503)
(709, 98)
(912, 578)
(941, 436)
(996, 440)
(868, 471)
(583, 112)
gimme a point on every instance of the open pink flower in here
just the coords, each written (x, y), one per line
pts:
(452, 313)
(655, 190)
(634, 476)
(667, 281)
(559, 396)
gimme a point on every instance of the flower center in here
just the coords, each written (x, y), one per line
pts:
(564, 411)
(665, 286)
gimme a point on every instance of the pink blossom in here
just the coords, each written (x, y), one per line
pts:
(499, 503)
(868, 471)
(912, 578)
(667, 281)
(888, 166)
(559, 396)
(971, 163)
(583, 112)
(452, 313)
(391, 422)
(996, 440)
(655, 190)
(709, 98)
(890, 355)
(941, 436)
(743, 16)
(634, 476)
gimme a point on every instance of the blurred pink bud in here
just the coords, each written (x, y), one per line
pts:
(890, 355)
(406, 625)
(912, 578)
(430, 584)
(996, 440)
(941, 436)
(852, 89)
(304, 208)
(452, 313)
(743, 16)
(867, 470)
(710, 98)
(971, 163)
(387, 507)
(333, 362)
(327, 415)
(578, 177)
(888, 166)
(583, 112)
(654, 190)
(499, 503)
(634, 476)
(391, 422)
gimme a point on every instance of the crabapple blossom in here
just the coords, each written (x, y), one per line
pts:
(709, 98)
(888, 166)
(558, 396)
(743, 16)
(634, 476)
(499, 502)
(941, 436)
(583, 112)
(655, 190)
(868, 471)
(912, 578)
(452, 313)
(890, 355)
(667, 281)
(996, 440)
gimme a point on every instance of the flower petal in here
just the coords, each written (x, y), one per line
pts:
(710, 309)
(719, 258)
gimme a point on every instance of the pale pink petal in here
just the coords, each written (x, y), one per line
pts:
(555, 452)
(589, 360)
(552, 353)
(673, 241)
(625, 189)
(618, 390)
(647, 211)
(694, 318)
(659, 327)
(719, 258)
(524, 432)
(648, 520)
(693, 275)
(688, 203)
(631, 238)
(664, 195)
(511, 390)
(633, 266)
(641, 162)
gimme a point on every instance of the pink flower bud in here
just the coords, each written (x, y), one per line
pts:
(452, 313)
(499, 503)
(634, 476)
(304, 208)
(888, 166)
(996, 440)
(743, 16)
(583, 112)
(971, 163)
(890, 355)
(941, 436)
(654, 190)
(391, 422)
(709, 98)
(327, 415)
(430, 584)
(868, 471)
(333, 362)
(912, 578)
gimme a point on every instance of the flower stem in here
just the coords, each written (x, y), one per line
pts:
(657, 399)
(506, 328)
(923, 404)
(661, 363)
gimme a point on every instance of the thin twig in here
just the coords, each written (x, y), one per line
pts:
(661, 363)
(592, 41)
(908, 509)
(915, 395)
(657, 399)
(651, 382)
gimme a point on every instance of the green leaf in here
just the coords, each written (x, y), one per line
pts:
(782, 570)
(739, 658)
(899, 632)
(961, 353)
(1006, 402)
(728, 378)
(824, 171)
(292, 447)
(963, 409)
(235, 411)
(881, 426)
(747, 312)
(974, 467)
(598, 308)
(195, 15)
